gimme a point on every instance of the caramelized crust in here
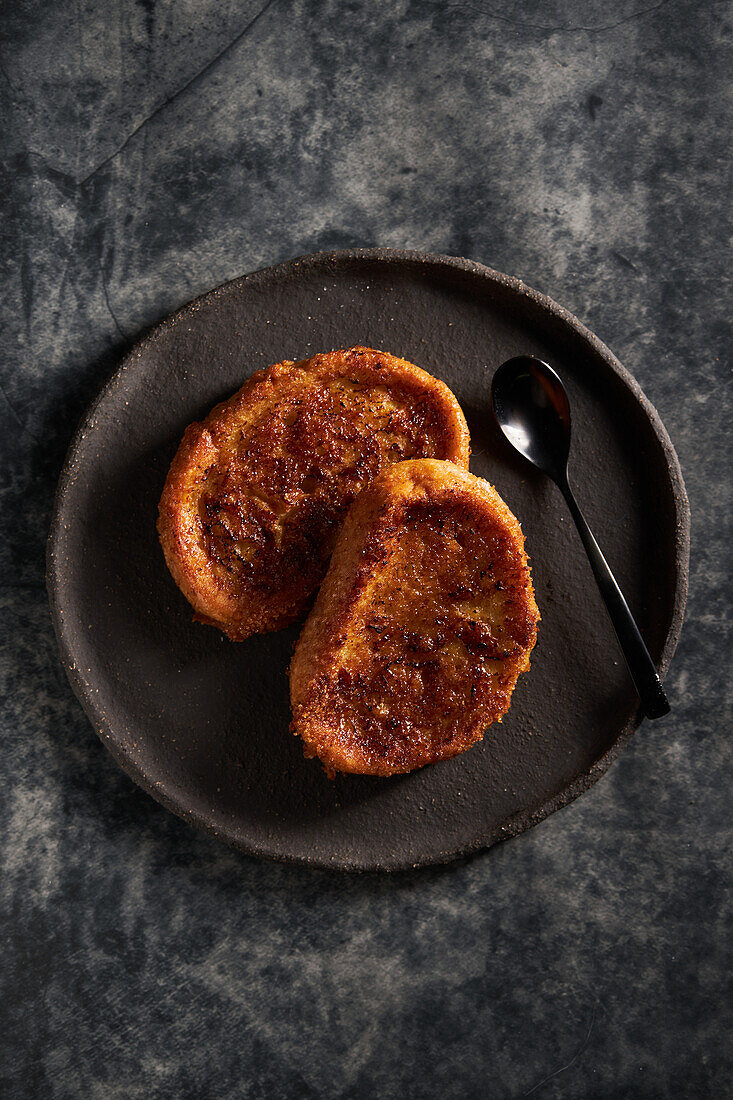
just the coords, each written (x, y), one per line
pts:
(257, 492)
(424, 622)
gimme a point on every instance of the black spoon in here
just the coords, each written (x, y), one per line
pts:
(531, 408)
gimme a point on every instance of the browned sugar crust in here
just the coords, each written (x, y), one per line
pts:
(425, 620)
(257, 492)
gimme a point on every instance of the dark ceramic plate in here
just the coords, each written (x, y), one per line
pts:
(202, 723)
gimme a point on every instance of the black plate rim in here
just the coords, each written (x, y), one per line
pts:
(521, 821)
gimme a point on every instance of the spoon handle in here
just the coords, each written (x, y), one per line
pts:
(643, 673)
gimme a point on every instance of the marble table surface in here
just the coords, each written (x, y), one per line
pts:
(152, 149)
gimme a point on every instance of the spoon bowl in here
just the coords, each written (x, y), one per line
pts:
(532, 409)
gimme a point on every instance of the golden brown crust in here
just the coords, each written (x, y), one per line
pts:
(256, 492)
(421, 628)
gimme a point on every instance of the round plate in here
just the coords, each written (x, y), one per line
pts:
(202, 723)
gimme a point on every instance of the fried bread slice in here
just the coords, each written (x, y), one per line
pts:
(423, 623)
(257, 492)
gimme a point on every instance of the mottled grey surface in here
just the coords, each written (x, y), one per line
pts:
(154, 149)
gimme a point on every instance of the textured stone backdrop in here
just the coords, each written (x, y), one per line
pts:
(151, 150)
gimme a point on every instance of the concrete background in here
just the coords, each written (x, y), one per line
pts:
(151, 150)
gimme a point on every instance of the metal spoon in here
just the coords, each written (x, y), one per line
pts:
(531, 407)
